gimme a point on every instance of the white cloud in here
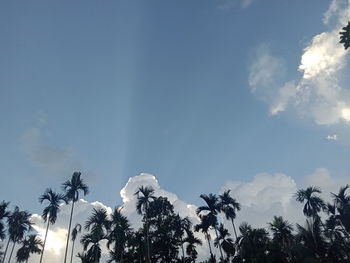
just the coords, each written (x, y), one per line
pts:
(333, 137)
(229, 4)
(319, 94)
(261, 198)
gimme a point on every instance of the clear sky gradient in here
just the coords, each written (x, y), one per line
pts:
(116, 88)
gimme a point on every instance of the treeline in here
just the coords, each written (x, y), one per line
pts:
(167, 237)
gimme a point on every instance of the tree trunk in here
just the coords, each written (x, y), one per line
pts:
(70, 223)
(211, 252)
(234, 228)
(7, 246)
(71, 256)
(47, 229)
(14, 243)
(216, 232)
(147, 238)
(183, 252)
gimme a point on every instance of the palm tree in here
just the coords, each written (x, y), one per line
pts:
(184, 226)
(75, 231)
(282, 237)
(50, 212)
(84, 258)
(342, 204)
(281, 231)
(144, 197)
(4, 213)
(313, 203)
(192, 242)
(252, 244)
(98, 225)
(225, 241)
(229, 206)
(72, 188)
(345, 36)
(211, 210)
(312, 239)
(204, 226)
(94, 252)
(31, 244)
(18, 224)
(120, 229)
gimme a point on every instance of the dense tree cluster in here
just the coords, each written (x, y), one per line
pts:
(167, 237)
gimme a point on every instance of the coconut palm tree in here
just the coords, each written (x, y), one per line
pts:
(18, 224)
(229, 206)
(50, 212)
(72, 188)
(31, 244)
(225, 241)
(118, 235)
(144, 197)
(4, 213)
(75, 231)
(313, 203)
(192, 242)
(211, 210)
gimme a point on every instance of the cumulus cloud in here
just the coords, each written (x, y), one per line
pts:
(319, 93)
(261, 198)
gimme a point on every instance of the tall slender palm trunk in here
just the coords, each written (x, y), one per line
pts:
(207, 236)
(217, 236)
(71, 256)
(7, 246)
(147, 238)
(13, 247)
(47, 230)
(70, 223)
(234, 228)
(183, 252)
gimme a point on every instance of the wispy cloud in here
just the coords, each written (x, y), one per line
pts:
(49, 159)
(229, 4)
(319, 94)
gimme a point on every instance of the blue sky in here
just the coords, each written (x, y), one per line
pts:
(116, 88)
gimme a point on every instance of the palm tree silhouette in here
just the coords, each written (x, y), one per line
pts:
(50, 212)
(72, 188)
(229, 206)
(225, 241)
(345, 36)
(192, 242)
(120, 229)
(18, 224)
(4, 213)
(204, 226)
(31, 244)
(144, 197)
(98, 225)
(313, 203)
(75, 231)
(342, 204)
(211, 209)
